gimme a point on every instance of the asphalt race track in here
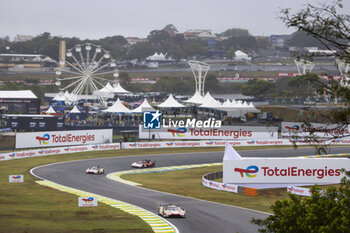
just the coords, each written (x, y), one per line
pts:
(202, 216)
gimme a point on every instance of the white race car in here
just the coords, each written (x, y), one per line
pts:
(143, 163)
(171, 210)
(95, 170)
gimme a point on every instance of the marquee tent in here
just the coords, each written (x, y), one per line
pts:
(208, 98)
(117, 107)
(170, 102)
(211, 104)
(195, 99)
(74, 110)
(118, 89)
(239, 55)
(108, 88)
(50, 110)
(145, 106)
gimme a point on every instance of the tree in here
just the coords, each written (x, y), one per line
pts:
(332, 29)
(302, 39)
(325, 211)
(235, 32)
(258, 88)
(211, 83)
(324, 23)
(329, 211)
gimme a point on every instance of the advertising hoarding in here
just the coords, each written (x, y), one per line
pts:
(316, 129)
(63, 138)
(218, 133)
(16, 178)
(87, 201)
(284, 170)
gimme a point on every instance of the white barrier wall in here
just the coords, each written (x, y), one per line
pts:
(63, 138)
(299, 191)
(213, 133)
(58, 150)
(212, 143)
(317, 129)
(145, 145)
(220, 186)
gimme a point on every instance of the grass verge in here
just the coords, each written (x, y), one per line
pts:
(29, 207)
(191, 186)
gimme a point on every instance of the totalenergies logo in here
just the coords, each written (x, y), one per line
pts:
(248, 171)
(210, 143)
(66, 149)
(12, 155)
(95, 147)
(251, 142)
(336, 141)
(88, 200)
(294, 128)
(41, 152)
(16, 177)
(44, 139)
(170, 144)
(133, 144)
(180, 132)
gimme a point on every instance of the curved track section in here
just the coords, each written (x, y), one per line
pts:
(202, 216)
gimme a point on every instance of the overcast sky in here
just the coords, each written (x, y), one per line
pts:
(94, 19)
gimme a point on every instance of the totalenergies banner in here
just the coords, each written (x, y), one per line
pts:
(316, 129)
(218, 133)
(284, 170)
(63, 138)
(59, 150)
(207, 143)
(220, 186)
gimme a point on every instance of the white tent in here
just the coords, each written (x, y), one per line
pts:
(118, 89)
(108, 88)
(208, 98)
(59, 97)
(211, 104)
(118, 107)
(66, 95)
(74, 110)
(195, 99)
(170, 102)
(145, 106)
(50, 110)
(156, 57)
(239, 55)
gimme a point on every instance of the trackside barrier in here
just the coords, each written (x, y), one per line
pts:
(207, 182)
(58, 150)
(215, 143)
(162, 144)
(299, 191)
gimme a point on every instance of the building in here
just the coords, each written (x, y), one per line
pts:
(19, 102)
(26, 62)
(199, 34)
(135, 40)
(22, 38)
(279, 41)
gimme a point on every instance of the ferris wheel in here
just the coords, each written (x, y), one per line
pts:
(84, 70)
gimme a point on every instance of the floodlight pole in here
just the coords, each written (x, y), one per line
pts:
(306, 66)
(200, 71)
